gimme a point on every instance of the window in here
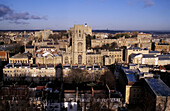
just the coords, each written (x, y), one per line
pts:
(79, 59)
(80, 47)
(66, 60)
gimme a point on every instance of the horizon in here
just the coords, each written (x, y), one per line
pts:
(147, 15)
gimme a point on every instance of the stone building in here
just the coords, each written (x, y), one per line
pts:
(43, 34)
(134, 50)
(162, 47)
(30, 49)
(140, 87)
(21, 58)
(149, 59)
(142, 41)
(156, 95)
(31, 72)
(77, 53)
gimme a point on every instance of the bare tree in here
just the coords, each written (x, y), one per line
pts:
(77, 76)
(109, 79)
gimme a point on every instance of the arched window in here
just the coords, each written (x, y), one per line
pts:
(66, 60)
(80, 47)
(79, 59)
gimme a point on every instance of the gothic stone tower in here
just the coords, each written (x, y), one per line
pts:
(79, 33)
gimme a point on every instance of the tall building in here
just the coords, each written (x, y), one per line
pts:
(79, 43)
(43, 34)
(76, 52)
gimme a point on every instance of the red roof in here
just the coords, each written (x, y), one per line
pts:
(3, 53)
(40, 87)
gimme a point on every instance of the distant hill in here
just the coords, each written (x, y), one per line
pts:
(103, 31)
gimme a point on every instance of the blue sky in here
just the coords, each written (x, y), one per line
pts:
(100, 14)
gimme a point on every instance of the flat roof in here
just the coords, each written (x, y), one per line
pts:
(158, 87)
(148, 56)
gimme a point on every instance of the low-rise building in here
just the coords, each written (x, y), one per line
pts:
(21, 58)
(29, 72)
(156, 95)
(162, 47)
(134, 50)
(150, 59)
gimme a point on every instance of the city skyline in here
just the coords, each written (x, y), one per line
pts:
(100, 14)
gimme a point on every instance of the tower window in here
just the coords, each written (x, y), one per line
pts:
(80, 46)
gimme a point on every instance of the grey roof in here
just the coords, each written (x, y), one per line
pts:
(154, 52)
(148, 56)
(130, 74)
(133, 55)
(158, 87)
(134, 48)
(163, 44)
(115, 50)
(29, 47)
(164, 58)
(19, 55)
(131, 77)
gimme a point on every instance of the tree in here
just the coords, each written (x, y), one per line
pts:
(77, 76)
(94, 37)
(55, 37)
(109, 79)
(105, 46)
(114, 45)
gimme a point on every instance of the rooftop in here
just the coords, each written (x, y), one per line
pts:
(29, 47)
(158, 87)
(19, 55)
(154, 52)
(134, 48)
(163, 44)
(148, 56)
(130, 74)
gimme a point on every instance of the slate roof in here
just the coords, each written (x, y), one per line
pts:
(148, 56)
(158, 87)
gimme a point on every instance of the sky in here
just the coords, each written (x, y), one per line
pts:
(99, 14)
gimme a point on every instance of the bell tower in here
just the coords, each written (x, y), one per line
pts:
(79, 33)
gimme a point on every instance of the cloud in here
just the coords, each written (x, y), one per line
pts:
(148, 3)
(6, 13)
(4, 10)
(19, 22)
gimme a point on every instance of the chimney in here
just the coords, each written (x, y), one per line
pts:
(77, 93)
(92, 91)
(85, 24)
